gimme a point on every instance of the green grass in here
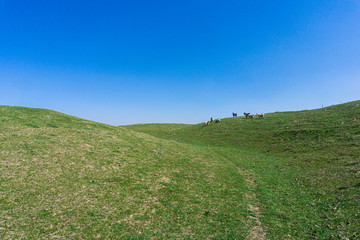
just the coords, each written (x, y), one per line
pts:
(85, 180)
(295, 172)
(307, 164)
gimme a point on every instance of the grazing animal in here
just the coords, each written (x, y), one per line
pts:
(217, 120)
(246, 114)
(234, 114)
(251, 116)
(260, 115)
(211, 119)
(207, 122)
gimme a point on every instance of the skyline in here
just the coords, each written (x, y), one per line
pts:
(132, 62)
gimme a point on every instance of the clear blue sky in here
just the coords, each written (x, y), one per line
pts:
(126, 62)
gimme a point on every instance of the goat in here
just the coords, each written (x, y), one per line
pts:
(246, 114)
(207, 122)
(211, 119)
(234, 114)
(217, 120)
(260, 115)
(251, 116)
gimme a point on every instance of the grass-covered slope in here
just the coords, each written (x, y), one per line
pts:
(63, 177)
(292, 175)
(315, 153)
(322, 137)
(160, 129)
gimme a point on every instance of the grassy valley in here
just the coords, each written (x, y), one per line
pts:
(314, 152)
(292, 175)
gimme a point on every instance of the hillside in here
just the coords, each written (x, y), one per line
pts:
(292, 175)
(67, 178)
(313, 137)
(317, 149)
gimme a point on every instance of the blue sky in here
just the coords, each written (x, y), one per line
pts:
(127, 62)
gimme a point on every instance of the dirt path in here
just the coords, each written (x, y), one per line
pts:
(256, 230)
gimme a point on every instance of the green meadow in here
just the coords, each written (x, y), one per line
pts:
(290, 175)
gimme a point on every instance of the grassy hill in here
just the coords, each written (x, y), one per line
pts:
(290, 175)
(317, 138)
(316, 150)
(67, 178)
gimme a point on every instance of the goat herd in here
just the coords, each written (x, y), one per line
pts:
(247, 115)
